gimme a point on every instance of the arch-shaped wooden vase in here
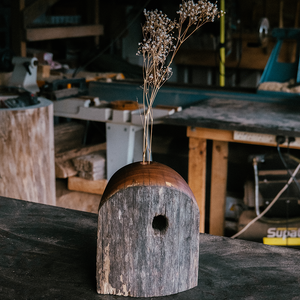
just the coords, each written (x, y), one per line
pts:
(148, 233)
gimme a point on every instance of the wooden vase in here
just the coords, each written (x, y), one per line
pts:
(148, 233)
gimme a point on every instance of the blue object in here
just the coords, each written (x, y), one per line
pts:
(282, 71)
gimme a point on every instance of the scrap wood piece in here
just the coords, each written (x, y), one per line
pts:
(91, 166)
(64, 166)
(92, 162)
(92, 175)
(79, 152)
(88, 186)
(68, 136)
(75, 200)
(64, 169)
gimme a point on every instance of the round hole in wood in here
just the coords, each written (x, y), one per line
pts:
(160, 223)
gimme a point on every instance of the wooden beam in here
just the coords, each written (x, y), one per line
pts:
(52, 33)
(218, 187)
(93, 13)
(210, 134)
(17, 30)
(35, 9)
(197, 175)
(227, 136)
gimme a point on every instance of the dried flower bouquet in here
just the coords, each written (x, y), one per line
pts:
(162, 38)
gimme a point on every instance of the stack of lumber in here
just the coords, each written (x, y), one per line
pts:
(91, 166)
(81, 167)
(64, 168)
(68, 136)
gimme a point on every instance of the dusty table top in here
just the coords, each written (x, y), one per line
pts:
(48, 252)
(279, 117)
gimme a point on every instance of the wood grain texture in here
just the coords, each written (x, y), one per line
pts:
(79, 151)
(227, 112)
(74, 199)
(27, 153)
(68, 136)
(64, 166)
(65, 169)
(134, 256)
(197, 175)
(218, 187)
(56, 251)
(148, 175)
(91, 166)
(88, 186)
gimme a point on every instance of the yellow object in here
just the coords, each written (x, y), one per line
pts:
(222, 43)
(281, 241)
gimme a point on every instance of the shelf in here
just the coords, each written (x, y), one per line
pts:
(23, 16)
(51, 33)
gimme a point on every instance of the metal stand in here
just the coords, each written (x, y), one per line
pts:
(124, 146)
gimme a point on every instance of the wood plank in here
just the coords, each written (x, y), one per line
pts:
(51, 33)
(64, 166)
(79, 151)
(91, 166)
(88, 186)
(210, 134)
(218, 187)
(75, 200)
(197, 175)
(93, 162)
(35, 9)
(68, 136)
(227, 136)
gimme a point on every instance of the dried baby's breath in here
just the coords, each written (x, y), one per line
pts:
(162, 38)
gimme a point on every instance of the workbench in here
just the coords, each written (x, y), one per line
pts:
(221, 115)
(223, 118)
(49, 252)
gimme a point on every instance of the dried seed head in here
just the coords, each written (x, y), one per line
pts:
(159, 41)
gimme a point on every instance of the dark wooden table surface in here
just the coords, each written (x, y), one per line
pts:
(240, 113)
(48, 252)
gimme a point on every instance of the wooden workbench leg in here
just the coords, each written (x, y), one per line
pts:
(197, 174)
(218, 187)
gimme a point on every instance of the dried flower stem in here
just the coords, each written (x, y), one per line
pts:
(159, 44)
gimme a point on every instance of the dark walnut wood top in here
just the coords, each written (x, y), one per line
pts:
(148, 174)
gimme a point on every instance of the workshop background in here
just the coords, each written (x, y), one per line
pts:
(98, 41)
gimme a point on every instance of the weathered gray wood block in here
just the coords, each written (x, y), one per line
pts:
(148, 226)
